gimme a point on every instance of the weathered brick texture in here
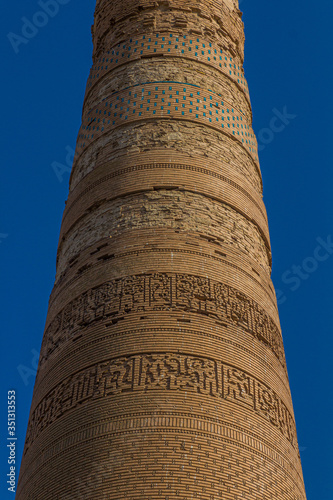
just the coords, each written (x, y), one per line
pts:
(162, 372)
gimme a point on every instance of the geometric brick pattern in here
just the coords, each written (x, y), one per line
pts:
(162, 372)
(170, 45)
(165, 292)
(178, 100)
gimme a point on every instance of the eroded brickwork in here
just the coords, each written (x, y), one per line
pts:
(162, 372)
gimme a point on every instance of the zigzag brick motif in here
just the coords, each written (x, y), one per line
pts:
(162, 372)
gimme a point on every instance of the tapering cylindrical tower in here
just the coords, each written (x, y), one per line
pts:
(162, 372)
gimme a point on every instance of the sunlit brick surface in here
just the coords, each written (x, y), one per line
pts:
(162, 372)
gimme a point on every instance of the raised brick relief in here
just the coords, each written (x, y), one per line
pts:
(162, 292)
(166, 372)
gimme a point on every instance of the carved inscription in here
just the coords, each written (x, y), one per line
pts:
(162, 292)
(239, 387)
(166, 372)
(174, 371)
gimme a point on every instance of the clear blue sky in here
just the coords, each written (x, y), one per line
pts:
(289, 70)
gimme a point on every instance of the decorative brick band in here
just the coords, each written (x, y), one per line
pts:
(152, 166)
(165, 372)
(166, 100)
(213, 14)
(172, 175)
(162, 292)
(169, 45)
(206, 336)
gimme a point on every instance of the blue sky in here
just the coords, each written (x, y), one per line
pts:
(288, 66)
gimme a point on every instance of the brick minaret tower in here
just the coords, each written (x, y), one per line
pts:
(162, 372)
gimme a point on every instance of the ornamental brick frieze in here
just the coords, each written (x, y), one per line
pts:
(166, 100)
(168, 68)
(163, 372)
(162, 292)
(168, 45)
(146, 16)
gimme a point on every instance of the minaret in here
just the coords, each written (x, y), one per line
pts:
(162, 372)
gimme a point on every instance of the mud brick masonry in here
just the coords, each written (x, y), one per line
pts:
(162, 372)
